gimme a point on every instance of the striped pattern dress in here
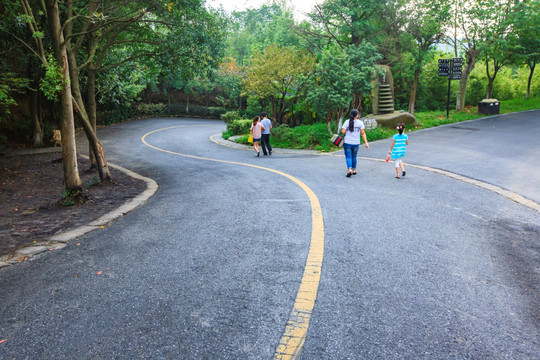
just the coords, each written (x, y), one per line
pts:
(400, 146)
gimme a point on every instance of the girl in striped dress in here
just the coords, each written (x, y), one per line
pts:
(398, 148)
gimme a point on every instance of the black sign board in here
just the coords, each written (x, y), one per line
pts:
(450, 68)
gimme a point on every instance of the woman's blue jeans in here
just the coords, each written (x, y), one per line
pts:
(350, 155)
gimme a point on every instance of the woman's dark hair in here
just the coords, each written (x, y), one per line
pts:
(255, 119)
(354, 113)
(401, 127)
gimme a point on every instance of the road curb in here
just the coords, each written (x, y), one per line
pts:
(60, 240)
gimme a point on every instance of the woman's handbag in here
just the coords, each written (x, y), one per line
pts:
(337, 140)
(250, 139)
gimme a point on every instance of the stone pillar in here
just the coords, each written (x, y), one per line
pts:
(382, 95)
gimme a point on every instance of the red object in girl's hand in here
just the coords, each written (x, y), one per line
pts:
(387, 158)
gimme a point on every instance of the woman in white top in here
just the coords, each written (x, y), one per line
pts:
(352, 129)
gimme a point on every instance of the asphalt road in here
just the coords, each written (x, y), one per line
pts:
(425, 267)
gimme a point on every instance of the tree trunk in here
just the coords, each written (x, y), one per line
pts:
(281, 108)
(38, 132)
(414, 87)
(169, 91)
(187, 103)
(69, 150)
(95, 146)
(92, 110)
(470, 61)
(531, 73)
(330, 122)
(491, 79)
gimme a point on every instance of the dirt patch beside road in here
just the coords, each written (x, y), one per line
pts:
(31, 187)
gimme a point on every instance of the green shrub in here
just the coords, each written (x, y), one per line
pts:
(216, 112)
(239, 127)
(379, 133)
(151, 109)
(230, 115)
(314, 136)
(116, 115)
(227, 134)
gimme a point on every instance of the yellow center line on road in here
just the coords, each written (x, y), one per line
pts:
(296, 328)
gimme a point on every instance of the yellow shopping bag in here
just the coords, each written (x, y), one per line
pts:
(250, 139)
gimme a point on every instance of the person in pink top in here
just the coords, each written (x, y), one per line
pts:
(256, 131)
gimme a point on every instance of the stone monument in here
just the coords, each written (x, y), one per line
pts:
(382, 101)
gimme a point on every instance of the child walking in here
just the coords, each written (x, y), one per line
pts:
(398, 148)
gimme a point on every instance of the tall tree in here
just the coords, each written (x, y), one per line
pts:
(482, 25)
(347, 22)
(526, 23)
(424, 27)
(330, 89)
(275, 73)
(69, 149)
(498, 48)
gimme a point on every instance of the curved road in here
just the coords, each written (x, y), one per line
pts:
(214, 265)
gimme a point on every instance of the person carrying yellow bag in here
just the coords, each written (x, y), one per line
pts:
(256, 133)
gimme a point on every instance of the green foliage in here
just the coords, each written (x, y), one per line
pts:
(253, 30)
(10, 84)
(379, 133)
(239, 126)
(67, 198)
(151, 109)
(276, 74)
(122, 84)
(230, 115)
(227, 134)
(254, 106)
(330, 88)
(520, 104)
(308, 137)
(53, 82)
(93, 182)
(116, 114)
(340, 75)
(197, 111)
(228, 83)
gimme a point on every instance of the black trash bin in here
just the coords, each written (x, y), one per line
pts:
(489, 107)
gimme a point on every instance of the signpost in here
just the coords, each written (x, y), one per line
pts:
(450, 68)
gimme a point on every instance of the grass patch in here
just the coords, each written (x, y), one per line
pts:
(521, 104)
(227, 134)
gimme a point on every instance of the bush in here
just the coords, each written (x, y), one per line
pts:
(230, 115)
(227, 134)
(216, 112)
(116, 115)
(314, 136)
(239, 127)
(196, 111)
(151, 109)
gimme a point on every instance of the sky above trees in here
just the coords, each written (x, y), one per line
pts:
(300, 8)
